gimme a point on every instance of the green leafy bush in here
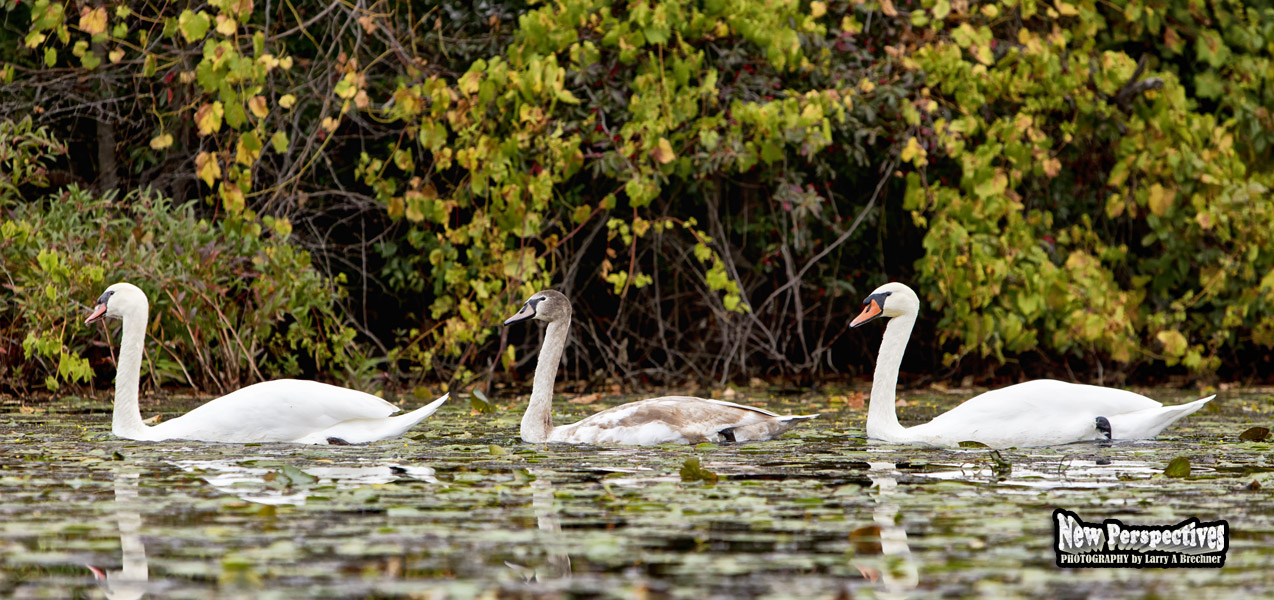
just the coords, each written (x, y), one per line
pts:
(228, 305)
(1093, 207)
(1068, 178)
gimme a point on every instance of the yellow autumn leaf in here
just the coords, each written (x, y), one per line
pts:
(208, 118)
(983, 53)
(469, 82)
(257, 105)
(207, 167)
(361, 100)
(662, 153)
(226, 26)
(1173, 342)
(248, 149)
(1066, 9)
(912, 152)
(1052, 167)
(346, 87)
(116, 55)
(329, 124)
(1160, 199)
(287, 100)
(93, 21)
(1205, 221)
(232, 197)
(887, 7)
(285, 62)
(818, 9)
(160, 142)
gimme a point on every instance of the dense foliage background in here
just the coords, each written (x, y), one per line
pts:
(356, 189)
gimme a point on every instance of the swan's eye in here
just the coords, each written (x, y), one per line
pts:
(105, 296)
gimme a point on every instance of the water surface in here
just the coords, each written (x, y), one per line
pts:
(460, 508)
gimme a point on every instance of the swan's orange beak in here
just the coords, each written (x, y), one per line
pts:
(98, 312)
(871, 311)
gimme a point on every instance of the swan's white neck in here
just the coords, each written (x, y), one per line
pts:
(127, 420)
(537, 423)
(882, 417)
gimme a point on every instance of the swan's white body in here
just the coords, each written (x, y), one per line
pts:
(284, 410)
(666, 420)
(1042, 412)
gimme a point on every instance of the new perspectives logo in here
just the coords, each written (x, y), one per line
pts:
(1112, 544)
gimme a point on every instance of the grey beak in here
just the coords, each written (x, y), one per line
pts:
(527, 312)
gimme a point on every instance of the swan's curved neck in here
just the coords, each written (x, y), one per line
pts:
(537, 423)
(882, 417)
(127, 420)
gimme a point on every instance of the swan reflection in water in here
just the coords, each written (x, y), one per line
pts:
(891, 568)
(242, 478)
(557, 564)
(131, 581)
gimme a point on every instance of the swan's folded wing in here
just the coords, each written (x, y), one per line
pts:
(281, 410)
(670, 419)
(1034, 413)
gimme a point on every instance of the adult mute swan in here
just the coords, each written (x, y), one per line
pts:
(671, 419)
(285, 410)
(1043, 412)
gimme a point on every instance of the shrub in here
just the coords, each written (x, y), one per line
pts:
(230, 303)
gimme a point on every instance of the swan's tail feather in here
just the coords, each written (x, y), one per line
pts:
(424, 412)
(359, 431)
(797, 418)
(1144, 424)
(764, 430)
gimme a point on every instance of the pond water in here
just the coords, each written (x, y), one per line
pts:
(460, 508)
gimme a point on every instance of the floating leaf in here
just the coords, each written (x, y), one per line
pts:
(1179, 467)
(691, 470)
(479, 403)
(1255, 434)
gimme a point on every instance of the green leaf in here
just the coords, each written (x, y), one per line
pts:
(1179, 467)
(280, 141)
(193, 26)
(478, 402)
(691, 470)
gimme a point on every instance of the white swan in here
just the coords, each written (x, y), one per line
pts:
(1043, 412)
(671, 419)
(285, 410)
